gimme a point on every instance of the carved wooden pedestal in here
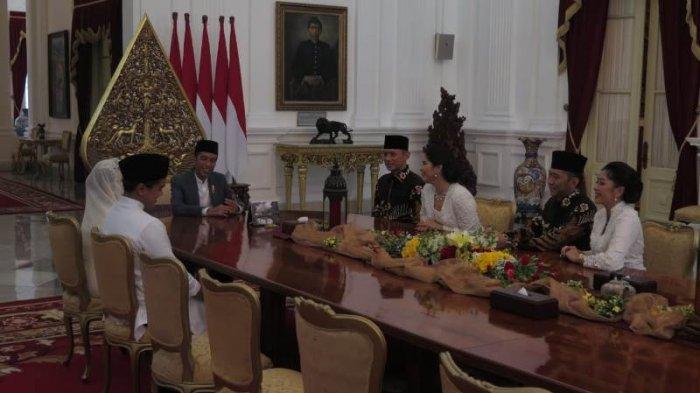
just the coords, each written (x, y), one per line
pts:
(348, 157)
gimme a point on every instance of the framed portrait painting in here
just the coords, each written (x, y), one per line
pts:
(59, 88)
(311, 57)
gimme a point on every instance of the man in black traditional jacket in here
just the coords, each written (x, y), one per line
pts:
(397, 196)
(567, 217)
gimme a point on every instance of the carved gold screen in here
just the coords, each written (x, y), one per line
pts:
(144, 109)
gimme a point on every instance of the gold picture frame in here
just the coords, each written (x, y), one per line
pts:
(311, 57)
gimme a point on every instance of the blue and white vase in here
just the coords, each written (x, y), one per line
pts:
(529, 182)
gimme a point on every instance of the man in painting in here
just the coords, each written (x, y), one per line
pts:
(314, 68)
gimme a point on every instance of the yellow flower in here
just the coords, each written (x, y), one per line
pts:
(459, 239)
(617, 310)
(410, 249)
(486, 260)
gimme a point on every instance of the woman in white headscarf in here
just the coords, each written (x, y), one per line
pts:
(103, 187)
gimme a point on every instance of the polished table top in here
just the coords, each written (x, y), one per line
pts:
(562, 354)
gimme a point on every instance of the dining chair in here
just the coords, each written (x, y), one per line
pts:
(670, 248)
(114, 268)
(347, 352)
(61, 157)
(455, 380)
(67, 256)
(181, 360)
(233, 323)
(497, 214)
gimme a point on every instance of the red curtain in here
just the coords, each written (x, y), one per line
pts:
(581, 34)
(18, 58)
(104, 19)
(682, 78)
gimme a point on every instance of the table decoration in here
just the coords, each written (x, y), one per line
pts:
(528, 304)
(650, 314)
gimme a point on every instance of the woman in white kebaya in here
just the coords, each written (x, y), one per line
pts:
(445, 204)
(103, 187)
(617, 240)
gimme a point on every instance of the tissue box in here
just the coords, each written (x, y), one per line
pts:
(535, 305)
(640, 284)
(288, 226)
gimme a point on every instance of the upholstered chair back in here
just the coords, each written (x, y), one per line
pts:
(233, 322)
(166, 290)
(454, 380)
(670, 249)
(344, 351)
(67, 253)
(497, 214)
(114, 268)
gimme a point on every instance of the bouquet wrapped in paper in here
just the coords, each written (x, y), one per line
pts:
(650, 314)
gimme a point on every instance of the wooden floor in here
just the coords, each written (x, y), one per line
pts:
(26, 271)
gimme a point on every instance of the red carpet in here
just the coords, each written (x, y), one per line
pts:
(33, 345)
(17, 198)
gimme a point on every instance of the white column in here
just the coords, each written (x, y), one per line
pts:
(7, 138)
(37, 64)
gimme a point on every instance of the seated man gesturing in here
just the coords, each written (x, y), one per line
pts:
(201, 191)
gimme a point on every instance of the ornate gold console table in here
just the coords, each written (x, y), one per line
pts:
(348, 157)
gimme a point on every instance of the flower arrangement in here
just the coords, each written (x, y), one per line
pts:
(507, 268)
(392, 243)
(434, 246)
(688, 310)
(331, 242)
(608, 307)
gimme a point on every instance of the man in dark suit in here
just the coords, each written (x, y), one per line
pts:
(201, 191)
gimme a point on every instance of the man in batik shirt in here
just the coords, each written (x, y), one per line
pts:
(567, 217)
(397, 196)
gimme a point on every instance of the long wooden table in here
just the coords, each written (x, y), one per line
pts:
(562, 354)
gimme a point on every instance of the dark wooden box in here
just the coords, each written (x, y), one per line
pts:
(600, 278)
(535, 305)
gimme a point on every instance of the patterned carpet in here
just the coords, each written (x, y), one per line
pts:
(18, 198)
(33, 345)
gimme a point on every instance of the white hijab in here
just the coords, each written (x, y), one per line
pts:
(103, 187)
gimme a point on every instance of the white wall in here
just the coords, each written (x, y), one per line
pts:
(503, 72)
(44, 18)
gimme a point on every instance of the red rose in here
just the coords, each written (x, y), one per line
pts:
(448, 252)
(525, 260)
(509, 269)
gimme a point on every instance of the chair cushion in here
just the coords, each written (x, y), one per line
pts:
(277, 380)
(71, 304)
(282, 380)
(120, 330)
(688, 214)
(167, 366)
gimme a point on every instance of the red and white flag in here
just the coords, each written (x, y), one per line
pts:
(236, 134)
(189, 72)
(204, 84)
(175, 50)
(218, 120)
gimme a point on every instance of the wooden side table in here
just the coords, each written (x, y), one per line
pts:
(348, 157)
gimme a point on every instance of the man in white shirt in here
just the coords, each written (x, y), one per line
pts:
(201, 191)
(144, 178)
